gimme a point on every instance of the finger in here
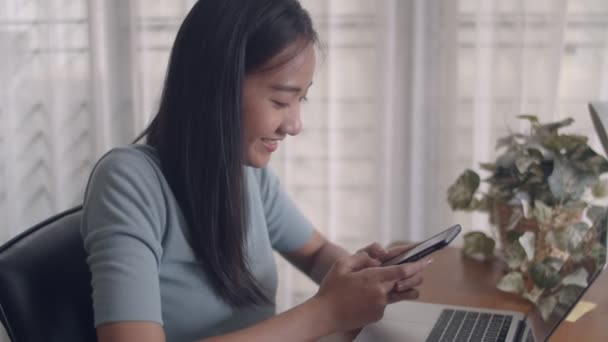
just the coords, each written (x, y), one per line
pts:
(408, 283)
(400, 296)
(395, 243)
(376, 251)
(352, 334)
(398, 272)
(359, 261)
(398, 250)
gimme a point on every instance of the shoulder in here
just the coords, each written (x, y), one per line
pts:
(132, 171)
(136, 163)
(126, 184)
(136, 159)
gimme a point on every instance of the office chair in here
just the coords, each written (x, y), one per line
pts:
(45, 283)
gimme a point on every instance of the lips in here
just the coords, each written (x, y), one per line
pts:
(270, 144)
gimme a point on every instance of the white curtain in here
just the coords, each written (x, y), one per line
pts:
(408, 94)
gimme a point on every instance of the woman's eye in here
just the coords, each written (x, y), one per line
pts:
(280, 104)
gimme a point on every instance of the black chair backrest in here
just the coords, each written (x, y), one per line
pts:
(45, 283)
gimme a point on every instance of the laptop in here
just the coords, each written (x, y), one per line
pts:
(416, 321)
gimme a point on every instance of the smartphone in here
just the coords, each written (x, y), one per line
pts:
(426, 247)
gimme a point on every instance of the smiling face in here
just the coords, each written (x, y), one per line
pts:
(272, 103)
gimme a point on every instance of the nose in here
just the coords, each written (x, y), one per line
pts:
(292, 124)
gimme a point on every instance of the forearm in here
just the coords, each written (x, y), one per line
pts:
(306, 322)
(324, 259)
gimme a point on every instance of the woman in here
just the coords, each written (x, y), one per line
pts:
(180, 231)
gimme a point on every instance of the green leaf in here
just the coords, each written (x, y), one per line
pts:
(596, 164)
(523, 163)
(542, 212)
(567, 295)
(525, 205)
(567, 183)
(460, 194)
(536, 174)
(534, 294)
(595, 213)
(586, 159)
(554, 263)
(598, 253)
(546, 306)
(532, 118)
(543, 275)
(575, 235)
(514, 255)
(553, 127)
(499, 193)
(513, 236)
(504, 142)
(599, 216)
(516, 216)
(488, 166)
(481, 204)
(478, 246)
(512, 282)
(575, 206)
(577, 278)
(507, 159)
(527, 243)
(509, 141)
(558, 239)
(600, 189)
(564, 144)
(577, 256)
(535, 153)
(535, 148)
(566, 215)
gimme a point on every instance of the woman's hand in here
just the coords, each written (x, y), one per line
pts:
(376, 251)
(356, 290)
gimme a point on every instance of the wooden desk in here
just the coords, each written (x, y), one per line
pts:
(452, 279)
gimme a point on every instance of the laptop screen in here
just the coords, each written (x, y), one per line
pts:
(558, 304)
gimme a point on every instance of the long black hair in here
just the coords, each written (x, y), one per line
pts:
(198, 128)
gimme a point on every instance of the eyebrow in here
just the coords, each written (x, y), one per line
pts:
(283, 87)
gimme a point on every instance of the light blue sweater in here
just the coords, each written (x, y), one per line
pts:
(142, 265)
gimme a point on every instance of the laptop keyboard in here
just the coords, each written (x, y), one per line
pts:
(469, 326)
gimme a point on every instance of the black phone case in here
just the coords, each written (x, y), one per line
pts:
(424, 253)
(433, 248)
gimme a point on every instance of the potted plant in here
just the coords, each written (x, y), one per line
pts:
(540, 200)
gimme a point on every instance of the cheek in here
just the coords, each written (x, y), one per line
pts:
(252, 123)
(260, 120)
(251, 118)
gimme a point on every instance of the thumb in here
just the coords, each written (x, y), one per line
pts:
(398, 272)
(359, 261)
(375, 251)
